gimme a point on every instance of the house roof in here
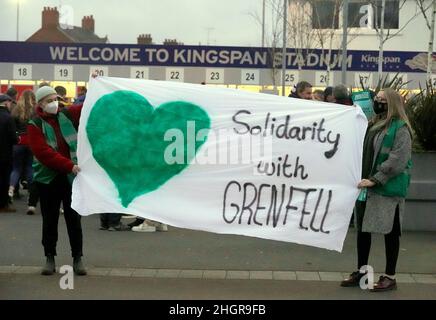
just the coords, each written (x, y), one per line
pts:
(78, 34)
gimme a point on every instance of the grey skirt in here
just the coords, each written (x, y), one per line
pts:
(377, 213)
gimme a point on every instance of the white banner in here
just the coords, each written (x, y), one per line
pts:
(220, 160)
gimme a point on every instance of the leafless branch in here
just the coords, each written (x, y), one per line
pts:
(423, 9)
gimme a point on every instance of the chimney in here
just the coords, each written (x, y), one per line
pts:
(88, 23)
(170, 42)
(50, 18)
(145, 39)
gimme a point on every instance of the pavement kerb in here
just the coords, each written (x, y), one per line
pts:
(275, 275)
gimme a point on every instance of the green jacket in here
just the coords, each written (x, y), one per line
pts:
(41, 173)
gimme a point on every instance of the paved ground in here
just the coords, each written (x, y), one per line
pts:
(94, 287)
(185, 264)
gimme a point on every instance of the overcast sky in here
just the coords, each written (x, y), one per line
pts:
(123, 20)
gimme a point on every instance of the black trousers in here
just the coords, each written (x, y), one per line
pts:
(5, 173)
(392, 246)
(33, 194)
(110, 219)
(51, 196)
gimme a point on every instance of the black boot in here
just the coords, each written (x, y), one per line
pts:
(78, 267)
(135, 223)
(50, 267)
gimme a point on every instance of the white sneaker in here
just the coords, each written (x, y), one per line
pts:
(128, 216)
(161, 227)
(31, 211)
(144, 227)
(11, 194)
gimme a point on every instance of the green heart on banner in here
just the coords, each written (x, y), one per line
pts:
(127, 139)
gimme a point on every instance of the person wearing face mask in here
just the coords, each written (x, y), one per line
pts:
(52, 138)
(385, 180)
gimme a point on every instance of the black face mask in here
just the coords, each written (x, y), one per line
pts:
(380, 107)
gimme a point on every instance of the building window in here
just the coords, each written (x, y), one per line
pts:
(325, 14)
(362, 14)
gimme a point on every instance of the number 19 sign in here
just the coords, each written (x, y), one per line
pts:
(63, 72)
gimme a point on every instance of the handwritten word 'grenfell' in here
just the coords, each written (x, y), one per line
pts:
(271, 205)
(283, 130)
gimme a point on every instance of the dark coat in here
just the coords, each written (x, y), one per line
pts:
(8, 135)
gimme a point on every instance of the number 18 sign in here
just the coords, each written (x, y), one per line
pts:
(22, 72)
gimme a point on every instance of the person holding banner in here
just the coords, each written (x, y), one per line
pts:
(52, 138)
(384, 185)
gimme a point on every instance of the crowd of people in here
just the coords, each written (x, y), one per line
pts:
(338, 94)
(38, 142)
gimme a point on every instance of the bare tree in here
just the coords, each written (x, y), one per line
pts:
(387, 34)
(306, 32)
(300, 34)
(430, 22)
(327, 37)
(272, 35)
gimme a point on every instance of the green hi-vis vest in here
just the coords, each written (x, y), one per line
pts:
(41, 173)
(398, 185)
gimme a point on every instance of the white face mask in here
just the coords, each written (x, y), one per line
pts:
(51, 107)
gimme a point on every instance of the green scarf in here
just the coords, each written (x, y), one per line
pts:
(398, 185)
(41, 173)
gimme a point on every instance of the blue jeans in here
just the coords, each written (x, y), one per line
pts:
(22, 165)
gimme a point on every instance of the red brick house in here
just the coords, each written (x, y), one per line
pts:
(51, 30)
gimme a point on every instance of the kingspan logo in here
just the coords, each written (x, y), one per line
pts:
(368, 58)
